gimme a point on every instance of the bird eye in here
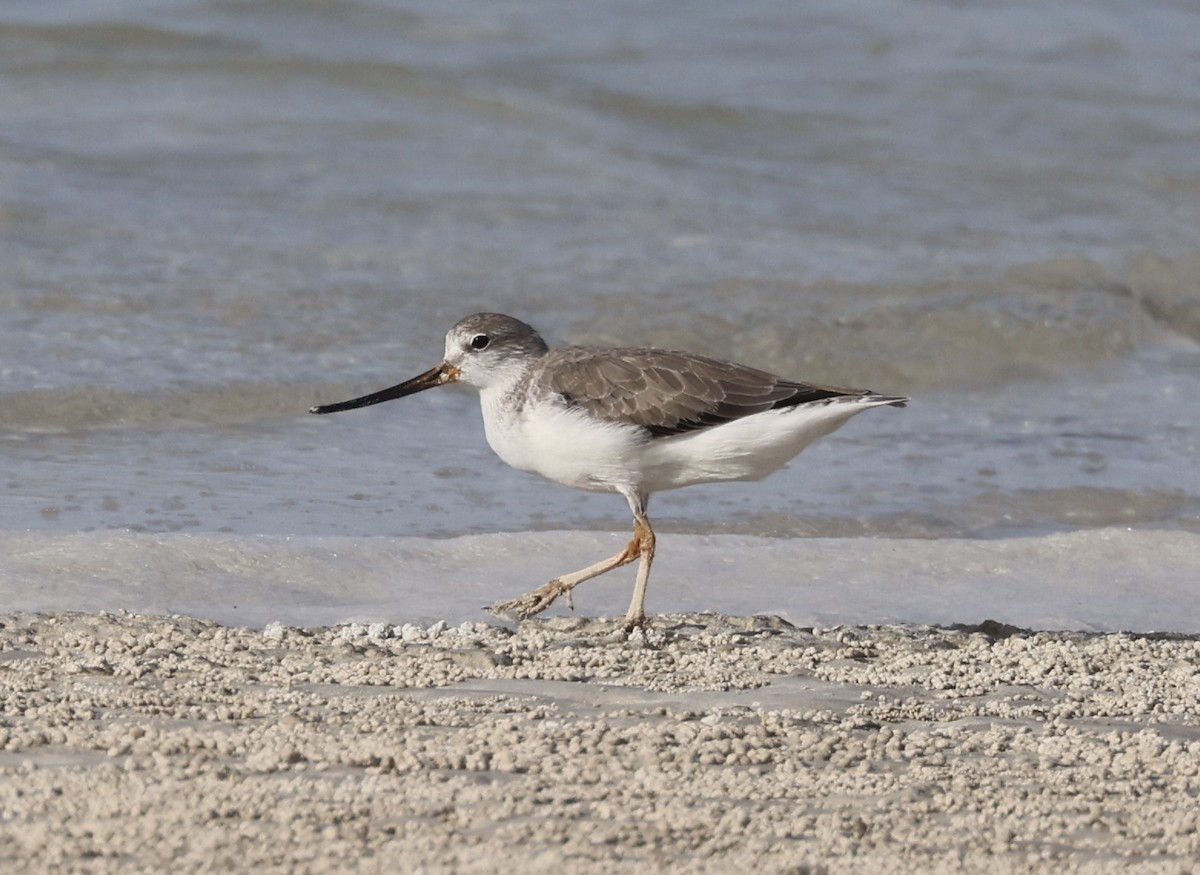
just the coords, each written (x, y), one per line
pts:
(480, 341)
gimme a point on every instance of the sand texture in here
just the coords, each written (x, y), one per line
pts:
(710, 744)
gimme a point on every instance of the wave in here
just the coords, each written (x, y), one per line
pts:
(1100, 580)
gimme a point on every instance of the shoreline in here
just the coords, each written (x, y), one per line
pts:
(140, 743)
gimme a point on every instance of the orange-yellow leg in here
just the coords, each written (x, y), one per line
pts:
(641, 547)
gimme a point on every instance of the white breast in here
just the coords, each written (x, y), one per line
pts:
(570, 448)
(562, 445)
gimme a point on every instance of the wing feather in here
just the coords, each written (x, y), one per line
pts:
(667, 392)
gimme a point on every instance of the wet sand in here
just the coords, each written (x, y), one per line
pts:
(710, 744)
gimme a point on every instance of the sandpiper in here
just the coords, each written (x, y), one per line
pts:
(632, 421)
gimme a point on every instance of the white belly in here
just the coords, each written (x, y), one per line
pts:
(745, 449)
(567, 447)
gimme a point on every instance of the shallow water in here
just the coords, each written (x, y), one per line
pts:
(214, 215)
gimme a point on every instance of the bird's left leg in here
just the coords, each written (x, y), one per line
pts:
(640, 547)
(534, 602)
(643, 536)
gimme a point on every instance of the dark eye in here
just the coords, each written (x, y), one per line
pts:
(480, 341)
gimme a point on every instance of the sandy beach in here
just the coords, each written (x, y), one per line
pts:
(711, 743)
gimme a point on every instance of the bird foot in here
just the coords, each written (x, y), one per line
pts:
(534, 602)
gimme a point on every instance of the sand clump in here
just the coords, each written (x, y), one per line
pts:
(711, 743)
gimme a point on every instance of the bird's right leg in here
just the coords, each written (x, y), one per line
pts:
(536, 601)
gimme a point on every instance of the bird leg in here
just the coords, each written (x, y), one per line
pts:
(643, 536)
(640, 547)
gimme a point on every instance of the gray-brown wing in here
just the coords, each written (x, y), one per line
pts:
(667, 392)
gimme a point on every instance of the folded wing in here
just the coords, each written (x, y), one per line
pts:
(668, 393)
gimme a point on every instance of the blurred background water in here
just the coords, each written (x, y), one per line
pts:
(215, 214)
